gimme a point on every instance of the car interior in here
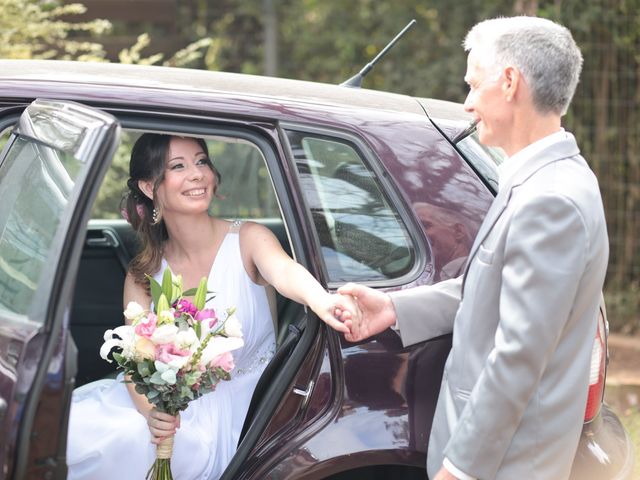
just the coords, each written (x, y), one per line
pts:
(246, 193)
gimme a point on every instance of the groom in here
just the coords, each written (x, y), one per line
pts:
(524, 314)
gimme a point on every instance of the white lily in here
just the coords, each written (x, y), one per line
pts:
(233, 327)
(126, 341)
(218, 346)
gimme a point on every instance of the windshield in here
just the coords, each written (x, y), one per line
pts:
(484, 160)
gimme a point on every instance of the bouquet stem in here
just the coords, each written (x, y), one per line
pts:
(161, 468)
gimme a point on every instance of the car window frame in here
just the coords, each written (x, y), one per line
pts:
(388, 188)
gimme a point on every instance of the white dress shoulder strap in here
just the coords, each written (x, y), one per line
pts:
(235, 226)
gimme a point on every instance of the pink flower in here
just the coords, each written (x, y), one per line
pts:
(167, 352)
(147, 325)
(224, 361)
(207, 313)
(185, 306)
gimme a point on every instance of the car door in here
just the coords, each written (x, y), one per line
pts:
(49, 169)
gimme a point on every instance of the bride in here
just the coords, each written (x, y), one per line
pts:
(113, 429)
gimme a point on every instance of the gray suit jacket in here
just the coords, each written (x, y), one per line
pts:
(514, 390)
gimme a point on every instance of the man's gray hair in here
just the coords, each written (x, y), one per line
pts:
(543, 51)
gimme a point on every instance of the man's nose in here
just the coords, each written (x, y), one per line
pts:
(468, 102)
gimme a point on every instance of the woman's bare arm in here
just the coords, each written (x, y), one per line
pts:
(290, 278)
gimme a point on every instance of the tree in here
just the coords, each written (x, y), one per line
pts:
(37, 29)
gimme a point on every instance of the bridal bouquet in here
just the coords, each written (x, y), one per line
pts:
(175, 353)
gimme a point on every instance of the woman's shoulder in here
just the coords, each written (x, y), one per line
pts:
(242, 227)
(251, 230)
(134, 291)
(256, 238)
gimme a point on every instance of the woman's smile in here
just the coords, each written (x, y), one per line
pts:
(195, 192)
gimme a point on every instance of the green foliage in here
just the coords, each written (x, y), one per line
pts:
(183, 57)
(31, 29)
(114, 185)
(44, 29)
(623, 305)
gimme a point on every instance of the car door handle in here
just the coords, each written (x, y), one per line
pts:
(108, 239)
(306, 394)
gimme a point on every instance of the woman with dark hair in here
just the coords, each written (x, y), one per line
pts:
(112, 428)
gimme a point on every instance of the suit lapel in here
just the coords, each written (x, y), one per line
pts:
(558, 151)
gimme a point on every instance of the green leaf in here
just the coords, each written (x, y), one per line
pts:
(152, 394)
(163, 304)
(190, 293)
(156, 379)
(143, 369)
(176, 292)
(167, 284)
(201, 294)
(156, 291)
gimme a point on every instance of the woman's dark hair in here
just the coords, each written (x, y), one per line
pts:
(148, 159)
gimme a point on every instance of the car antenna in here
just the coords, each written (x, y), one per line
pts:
(356, 80)
(466, 132)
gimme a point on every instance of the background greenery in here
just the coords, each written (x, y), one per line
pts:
(330, 40)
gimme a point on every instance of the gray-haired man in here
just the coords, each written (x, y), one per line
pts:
(524, 313)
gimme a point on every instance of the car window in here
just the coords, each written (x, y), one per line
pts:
(485, 160)
(37, 181)
(361, 235)
(246, 191)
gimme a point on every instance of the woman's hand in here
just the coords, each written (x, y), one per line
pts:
(374, 309)
(162, 425)
(334, 309)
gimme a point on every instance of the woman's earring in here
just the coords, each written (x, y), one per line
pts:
(154, 216)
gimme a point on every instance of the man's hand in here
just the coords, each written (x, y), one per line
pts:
(333, 309)
(375, 312)
(444, 474)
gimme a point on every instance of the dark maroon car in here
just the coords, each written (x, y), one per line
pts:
(358, 186)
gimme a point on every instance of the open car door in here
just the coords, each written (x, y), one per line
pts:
(49, 172)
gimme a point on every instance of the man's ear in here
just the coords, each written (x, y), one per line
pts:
(146, 187)
(511, 83)
(459, 232)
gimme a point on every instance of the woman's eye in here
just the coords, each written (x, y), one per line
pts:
(203, 161)
(176, 166)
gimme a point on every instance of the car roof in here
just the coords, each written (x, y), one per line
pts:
(22, 72)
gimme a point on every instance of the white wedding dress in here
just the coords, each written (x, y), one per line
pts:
(109, 439)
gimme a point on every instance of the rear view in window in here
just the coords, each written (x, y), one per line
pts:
(361, 235)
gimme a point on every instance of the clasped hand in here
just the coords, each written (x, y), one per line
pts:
(360, 312)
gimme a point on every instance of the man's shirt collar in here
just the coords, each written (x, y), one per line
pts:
(508, 168)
